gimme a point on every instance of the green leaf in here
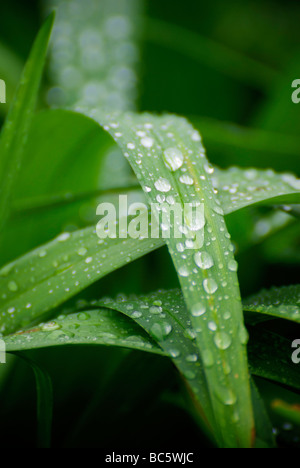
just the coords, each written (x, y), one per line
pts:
(93, 327)
(83, 154)
(263, 426)
(270, 358)
(148, 142)
(287, 411)
(15, 131)
(211, 53)
(164, 317)
(281, 302)
(48, 276)
(233, 144)
(10, 71)
(44, 402)
(239, 188)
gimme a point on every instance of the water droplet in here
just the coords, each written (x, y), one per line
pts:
(222, 340)
(233, 266)
(226, 396)
(218, 210)
(186, 180)
(208, 358)
(83, 316)
(50, 326)
(82, 251)
(147, 142)
(212, 326)
(136, 315)
(174, 353)
(64, 237)
(198, 310)
(12, 286)
(209, 169)
(173, 159)
(162, 185)
(203, 260)
(210, 286)
(89, 260)
(192, 358)
(243, 335)
(189, 375)
(196, 136)
(183, 271)
(156, 310)
(161, 330)
(292, 181)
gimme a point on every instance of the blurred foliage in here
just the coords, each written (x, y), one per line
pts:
(229, 67)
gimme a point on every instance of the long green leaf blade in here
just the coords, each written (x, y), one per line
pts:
(15, 131)
(281, 302)
(88, 327)
(239, 188)
(44, 402)
(220, 330)
(53, 273)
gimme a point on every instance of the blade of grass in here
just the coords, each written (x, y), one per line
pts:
(211, 53)
(240, 188)
(234, 144)
(270, 358)
(213, 290)
(281, 302)
(165, 319)
(237, 188)
(265, 437)
(15, 131)
(94, 327)
(10, 71)
(44, 402)
(50, 275)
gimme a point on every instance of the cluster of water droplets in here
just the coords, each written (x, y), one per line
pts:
(242, 187)
(56, 272)
(280, 302)
(85, 327)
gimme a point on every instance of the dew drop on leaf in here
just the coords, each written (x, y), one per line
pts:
(160, 331)
(233, 266)
(222, 340)
(198, 310)
(210, 286)
(173, 159)
(186, 180)
(162, 185)
(50, 326)
(203, 260)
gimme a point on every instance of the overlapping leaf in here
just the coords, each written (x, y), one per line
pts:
(15, 130)
(277, 302)
(93, 327)
(48, 276)
(240, 188)
(169, 161)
